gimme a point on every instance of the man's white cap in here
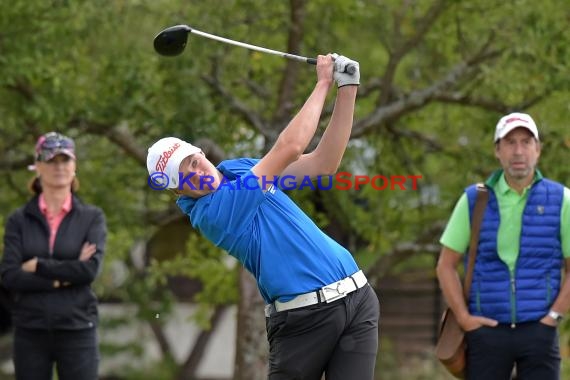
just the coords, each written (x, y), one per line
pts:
(165, 156)
(512, 121)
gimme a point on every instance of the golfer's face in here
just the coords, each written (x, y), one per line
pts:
(518, 153)
(202, 174)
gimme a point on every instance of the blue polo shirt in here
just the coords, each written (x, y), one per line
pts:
(268, 233)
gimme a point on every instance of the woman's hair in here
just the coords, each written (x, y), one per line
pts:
(35, 185)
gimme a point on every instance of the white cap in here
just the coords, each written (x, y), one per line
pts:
(512, 121)
(165, 156)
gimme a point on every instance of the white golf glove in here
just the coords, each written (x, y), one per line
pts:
(341, 74)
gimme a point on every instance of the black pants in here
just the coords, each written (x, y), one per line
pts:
(532, 347)
(75, 354)
(339, 339)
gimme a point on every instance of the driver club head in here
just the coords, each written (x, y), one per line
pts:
(172, 41)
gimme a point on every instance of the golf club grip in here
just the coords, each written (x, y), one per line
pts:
(350, 68)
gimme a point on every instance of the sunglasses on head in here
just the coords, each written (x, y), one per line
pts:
(54, 140)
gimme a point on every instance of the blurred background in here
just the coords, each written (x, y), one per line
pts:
(436, 75)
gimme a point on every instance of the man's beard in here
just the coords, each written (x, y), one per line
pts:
(520, 173)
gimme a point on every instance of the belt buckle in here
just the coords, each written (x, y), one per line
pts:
(333, 293)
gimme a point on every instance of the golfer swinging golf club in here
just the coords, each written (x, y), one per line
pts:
(322, 315)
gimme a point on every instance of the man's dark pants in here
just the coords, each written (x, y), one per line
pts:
(339, 339)
(531, 347)
(75, 354)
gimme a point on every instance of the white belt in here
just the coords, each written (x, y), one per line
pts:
(328, 293)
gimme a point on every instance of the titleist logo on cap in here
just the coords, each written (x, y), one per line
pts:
(508, 121)
(163, 159)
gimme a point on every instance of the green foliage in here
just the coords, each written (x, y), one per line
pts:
(201, 261)
(163, 370)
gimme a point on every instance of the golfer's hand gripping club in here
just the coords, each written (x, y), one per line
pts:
(350, 68)
(346, 71)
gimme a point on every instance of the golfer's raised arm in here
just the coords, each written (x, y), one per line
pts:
(295, 138)
(326, 158)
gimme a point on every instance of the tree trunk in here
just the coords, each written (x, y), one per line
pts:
(252, 348)
(189, 368)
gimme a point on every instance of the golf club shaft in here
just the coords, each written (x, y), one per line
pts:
(293, 57)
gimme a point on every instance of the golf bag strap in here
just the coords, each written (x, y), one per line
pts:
(478, 210)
